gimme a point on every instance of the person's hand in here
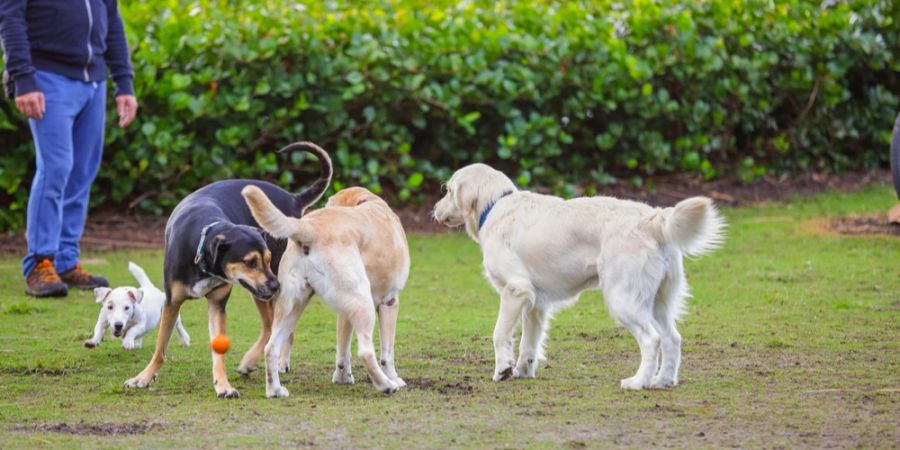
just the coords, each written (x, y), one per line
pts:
(126, 106)
(32, 105)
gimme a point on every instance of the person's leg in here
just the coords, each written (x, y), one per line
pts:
(54, 159)
(87, 144)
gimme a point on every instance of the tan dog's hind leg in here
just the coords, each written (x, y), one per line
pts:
(387, 320)
(363, 321)
(286, 354)
(217, 299)
(342, 372)
(166, 325)
(287, 312)
(250, 361)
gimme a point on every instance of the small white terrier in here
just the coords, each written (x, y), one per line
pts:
(131, 313)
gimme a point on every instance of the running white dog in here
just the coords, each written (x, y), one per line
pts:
(540, 253)
(354, 254)
(131, 313)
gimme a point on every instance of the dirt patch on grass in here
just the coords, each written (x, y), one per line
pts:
(44, 371)
(869, 224)
(93, 429)
(441, 386)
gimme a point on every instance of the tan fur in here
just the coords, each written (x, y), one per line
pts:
(354, 254)
(253, 276)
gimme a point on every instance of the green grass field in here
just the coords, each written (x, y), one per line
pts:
(793, 339)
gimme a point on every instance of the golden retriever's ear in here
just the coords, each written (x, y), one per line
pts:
(465, 197)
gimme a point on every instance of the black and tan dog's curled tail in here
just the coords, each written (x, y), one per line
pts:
(312, 194)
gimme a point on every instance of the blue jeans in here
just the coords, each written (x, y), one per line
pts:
(68, 143)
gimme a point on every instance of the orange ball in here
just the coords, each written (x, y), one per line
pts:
(220, 344)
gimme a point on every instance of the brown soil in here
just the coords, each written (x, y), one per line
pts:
(113, 230)
(442, 387)
(87, 429)
(865, 225)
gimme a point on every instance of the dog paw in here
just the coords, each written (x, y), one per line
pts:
(279, 392)
(90, 344)
(342, 377)
(399, 382)
(246, 370)
(139, 382)
(662, 382)
(525, 367)
(523, 374)
(186, 342)
(128, 344)
(503, 375)
(228, 393)
(389, 388)
(286, 368)
(634, 384)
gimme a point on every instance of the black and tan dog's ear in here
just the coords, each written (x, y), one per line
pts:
(215, 247)
(269, 217)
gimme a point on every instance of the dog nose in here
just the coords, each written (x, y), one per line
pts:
(118, 326)
(273, 285)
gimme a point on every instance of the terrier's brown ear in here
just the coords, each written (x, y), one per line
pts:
(136, 295)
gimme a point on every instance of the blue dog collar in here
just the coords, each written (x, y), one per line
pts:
(488, 209)
(202, 241)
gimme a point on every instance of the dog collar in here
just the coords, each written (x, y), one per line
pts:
(203, 232)
(488, 209)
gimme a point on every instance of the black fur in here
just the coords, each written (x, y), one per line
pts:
(236, 232)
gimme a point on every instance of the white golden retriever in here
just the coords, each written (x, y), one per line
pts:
(540, 252)
(353, 253)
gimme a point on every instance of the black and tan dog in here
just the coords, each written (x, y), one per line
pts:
(213, 242)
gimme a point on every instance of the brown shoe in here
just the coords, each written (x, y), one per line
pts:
(44, 282)
(79, 278)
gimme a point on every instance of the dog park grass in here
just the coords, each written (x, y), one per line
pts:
(793, 339)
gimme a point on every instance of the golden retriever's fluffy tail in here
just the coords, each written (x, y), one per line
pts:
(271, 219)
(695, 226)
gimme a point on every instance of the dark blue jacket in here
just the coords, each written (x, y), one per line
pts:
(74, 38)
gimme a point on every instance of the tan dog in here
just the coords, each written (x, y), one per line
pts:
(353, 253)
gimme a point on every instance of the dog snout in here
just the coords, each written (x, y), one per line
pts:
(118, 326)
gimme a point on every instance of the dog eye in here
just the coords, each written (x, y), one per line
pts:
(109, 307)
(126, 308)
(251, 264)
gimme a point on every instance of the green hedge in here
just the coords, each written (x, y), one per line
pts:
(565, 95)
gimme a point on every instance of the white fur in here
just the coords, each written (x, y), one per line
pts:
(540, 252)
(135, 310)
